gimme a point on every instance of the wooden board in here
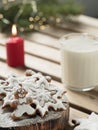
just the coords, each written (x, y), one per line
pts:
(39, 50)
(43, 39)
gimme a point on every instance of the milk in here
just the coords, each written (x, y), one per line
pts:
(79, 62)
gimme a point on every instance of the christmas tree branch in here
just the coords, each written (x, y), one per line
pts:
(35, 14)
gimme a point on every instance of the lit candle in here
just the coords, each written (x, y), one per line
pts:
(15, 49)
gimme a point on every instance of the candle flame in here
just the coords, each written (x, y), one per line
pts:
(14, 30)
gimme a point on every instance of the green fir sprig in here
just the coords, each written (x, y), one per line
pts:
(35, 15)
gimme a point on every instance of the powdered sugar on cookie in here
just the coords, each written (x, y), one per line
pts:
(90, 123)
(31, 94)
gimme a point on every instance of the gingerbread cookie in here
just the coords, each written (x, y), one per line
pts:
(22, 104)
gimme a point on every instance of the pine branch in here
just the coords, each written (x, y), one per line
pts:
(33, 14)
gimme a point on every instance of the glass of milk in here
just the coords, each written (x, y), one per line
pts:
(79, 61)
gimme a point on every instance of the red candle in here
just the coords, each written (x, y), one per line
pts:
(15, 49)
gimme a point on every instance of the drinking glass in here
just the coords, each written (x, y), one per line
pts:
(79, 61)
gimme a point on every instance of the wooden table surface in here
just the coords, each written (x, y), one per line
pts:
(42, 53)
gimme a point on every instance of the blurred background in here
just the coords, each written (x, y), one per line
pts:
(90, 7)
(30, 15)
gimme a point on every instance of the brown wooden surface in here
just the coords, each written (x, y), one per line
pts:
(42, 53)
(55, 121)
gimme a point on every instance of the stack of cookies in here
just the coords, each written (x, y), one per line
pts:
(32, 102)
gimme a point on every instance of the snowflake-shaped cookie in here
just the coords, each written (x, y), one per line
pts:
(90, 123)
(8, 86)
(46, 95)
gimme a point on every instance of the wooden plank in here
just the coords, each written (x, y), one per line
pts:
(81, 28)
(2, 35)
(42, 51)
(82, 24)
(39, 50)
(86, 20)
(44, 66)
(84, 101)
(77, 114)
(55, 31)
(43, 39)
(37, 64)
(79, 23)
(37, 38)
(6, 70)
